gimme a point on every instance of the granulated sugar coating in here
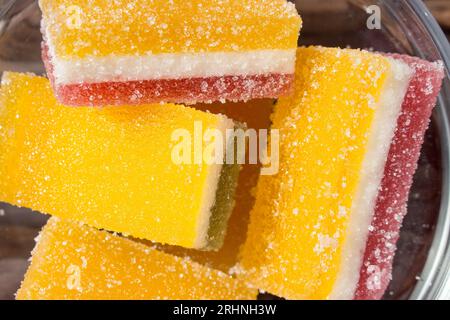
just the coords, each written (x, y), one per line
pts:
(112, 168)
(309, 224)
(391, 204)
(129, 52)
(72, 261)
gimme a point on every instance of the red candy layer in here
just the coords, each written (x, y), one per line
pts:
(391, 206)
(188, 91)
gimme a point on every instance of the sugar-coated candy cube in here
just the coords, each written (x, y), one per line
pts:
(113, 167)
(74, 261)
(102, 52)
(309, 226)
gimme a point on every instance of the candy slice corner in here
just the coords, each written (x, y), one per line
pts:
(72, 261)
(309, 224)
(256, 116)
(113, 168)
(235, 51)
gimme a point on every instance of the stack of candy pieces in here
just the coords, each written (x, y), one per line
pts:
(131, 52)
(113, 167)
(309, 226)
(391, 206)
(325, 227)
(74, 261)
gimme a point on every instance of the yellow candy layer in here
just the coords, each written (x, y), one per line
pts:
(111, 167)
(80, 28)
(299, 222)
(72, 261)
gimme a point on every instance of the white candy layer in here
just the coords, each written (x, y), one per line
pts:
(382, 133)
(173, 66)
(210, 191)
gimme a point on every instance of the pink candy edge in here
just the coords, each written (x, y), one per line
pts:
(391, 206)
(186, 90)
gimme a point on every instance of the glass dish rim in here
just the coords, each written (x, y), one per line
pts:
(434, 282)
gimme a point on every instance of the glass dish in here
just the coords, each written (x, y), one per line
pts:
(422, 264)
